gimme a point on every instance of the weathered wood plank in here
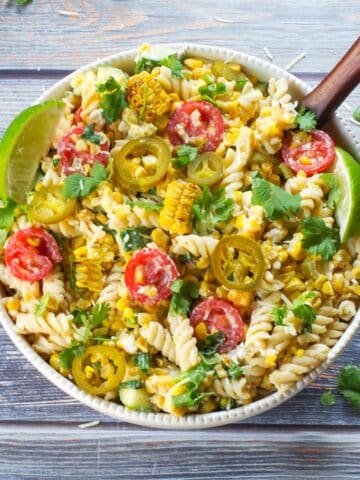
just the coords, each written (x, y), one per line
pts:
(31, 452)
(25, 395)
(37, 36)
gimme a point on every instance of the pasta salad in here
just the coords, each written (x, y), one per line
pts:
(179, 251)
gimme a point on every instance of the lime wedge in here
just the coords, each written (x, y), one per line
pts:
(25, 142)
(347, 211)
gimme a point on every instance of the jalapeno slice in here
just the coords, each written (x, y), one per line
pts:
(206, 169)
(238, 263)
(99, 369)
(220, 69)
(48, 205)
(132, 173)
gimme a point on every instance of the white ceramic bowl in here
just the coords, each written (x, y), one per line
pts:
(342, 135)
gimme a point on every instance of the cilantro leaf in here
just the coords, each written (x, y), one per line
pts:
(68, 354)
(235, 371)
(305, 120)
(185, 155)
(356, 114)
(192, 381)
(99, 313)
(22, 2)
(90, 135)
(211, 209)
(172, 62)
(239, 85)
(349, 384)
(145, 204)
(113, 99)
(142, 360)
(209, 92)
(78, 185)
(134, 238)
(135, 384)
(279, 315)
(276, 202)
(42, 305)
(327, 399)
(318, 238)
(7, 214)
(211, 343)
(184, 293)
(306, 313)
(334, 189)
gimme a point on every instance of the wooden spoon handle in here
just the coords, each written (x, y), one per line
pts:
(336, 86)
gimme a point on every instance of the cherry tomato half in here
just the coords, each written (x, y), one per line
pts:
(31, 254)
(311, 152)
(49, 205)
(149, 275)
(197, 123)
(109, 368)
(221, 316)
(73, 159)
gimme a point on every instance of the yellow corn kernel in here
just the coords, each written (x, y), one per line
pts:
(270, 361)
(240, 220)
(355, 289)
(80, 252)
(240, 298)
(319, 281)
(283, 256)
(201, 331)
(299, 352)
(122, 303)
(294, 284)
(327, 288)
(141, 344)
(193, 63)
(355, 273)
(295, 250)
(160, 237)
(13, 304)
(128, 313)
(178, 389)
(202, 263)
(89, 372)
(238, 196)
(78, 242)
(208, 406)
(208, 276)
(176, 215)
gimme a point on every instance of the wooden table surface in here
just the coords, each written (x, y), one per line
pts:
(39, 433)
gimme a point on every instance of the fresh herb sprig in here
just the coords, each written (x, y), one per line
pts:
(113, 99)
(78, 185)
(210, 209)
(172, 62)
(305, 120)
(184, 293)
(318, 238)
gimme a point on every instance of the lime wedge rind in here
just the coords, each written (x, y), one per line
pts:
(25, 142)
(347, 211)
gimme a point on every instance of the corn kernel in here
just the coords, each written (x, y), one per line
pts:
(208, 406)
(141, 344)
(355, 289)
(295, 250)
(34, 242)
(294, 284)
(55, 361)
(319, 281)
(160, 237)
(239, 222)
(193, 63)
(239, 298)
(299, 352)
(178, 390)
(304, 160)
(13, 304)
(355, 273)
(139, 274)
(327, 288)
(270, 361)
(201, 331)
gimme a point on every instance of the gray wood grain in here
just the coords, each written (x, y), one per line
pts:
(37, 36)
(231, 453)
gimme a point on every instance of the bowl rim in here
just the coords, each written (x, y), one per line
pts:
(202, 420)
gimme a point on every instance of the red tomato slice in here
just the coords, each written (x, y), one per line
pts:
(149, 275)
(197, 123)
(72, 159)
(221, 316)
(311, 156)
(31, 254)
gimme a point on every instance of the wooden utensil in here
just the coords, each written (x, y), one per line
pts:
(336, 86)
